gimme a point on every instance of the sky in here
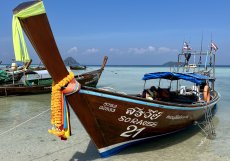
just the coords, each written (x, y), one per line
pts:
(129, 32)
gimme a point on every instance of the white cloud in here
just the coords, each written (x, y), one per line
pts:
(73, 50)
(113, 50)
(137, 50)
(166, 50)
(149, 49)
(92, 50)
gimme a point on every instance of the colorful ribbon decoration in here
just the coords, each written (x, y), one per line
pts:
(60, 117)
(20, 49)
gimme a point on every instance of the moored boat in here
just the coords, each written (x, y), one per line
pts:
(13, 74)
(7, 90)
(114, 120)
(42, 77)
(77, 67)
(38, 82)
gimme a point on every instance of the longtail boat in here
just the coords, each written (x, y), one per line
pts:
(77, 67)
(42, 77)
(38, 82)
(13, 74)
(114, 120)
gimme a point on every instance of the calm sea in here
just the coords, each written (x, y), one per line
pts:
(24, 121)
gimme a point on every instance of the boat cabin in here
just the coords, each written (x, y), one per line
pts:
(196, 87)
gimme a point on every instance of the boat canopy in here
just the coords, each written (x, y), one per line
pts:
(192, 77)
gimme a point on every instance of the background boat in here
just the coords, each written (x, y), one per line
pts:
(77, 67)
(13, 74)
(38, 82)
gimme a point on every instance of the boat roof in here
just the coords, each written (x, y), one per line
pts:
(192, 77)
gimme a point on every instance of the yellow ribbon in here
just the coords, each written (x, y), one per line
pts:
(20, 49)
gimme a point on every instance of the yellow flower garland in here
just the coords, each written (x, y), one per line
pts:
(56, 106)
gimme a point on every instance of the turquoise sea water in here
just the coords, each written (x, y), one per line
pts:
(24, 121)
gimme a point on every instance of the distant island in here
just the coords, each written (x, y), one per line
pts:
(172, 64)
(70, 61)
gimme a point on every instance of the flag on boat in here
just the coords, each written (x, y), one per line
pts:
(214, 46)
(186, 46)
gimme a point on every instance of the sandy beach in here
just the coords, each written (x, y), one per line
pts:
(26, 138)
(25, 120)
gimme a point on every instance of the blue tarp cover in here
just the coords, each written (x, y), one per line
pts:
(192, 77)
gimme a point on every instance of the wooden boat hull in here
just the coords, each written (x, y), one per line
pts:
(78, 67)
(23, 90)
(122, 120)
(37, 86)
(90, 79)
